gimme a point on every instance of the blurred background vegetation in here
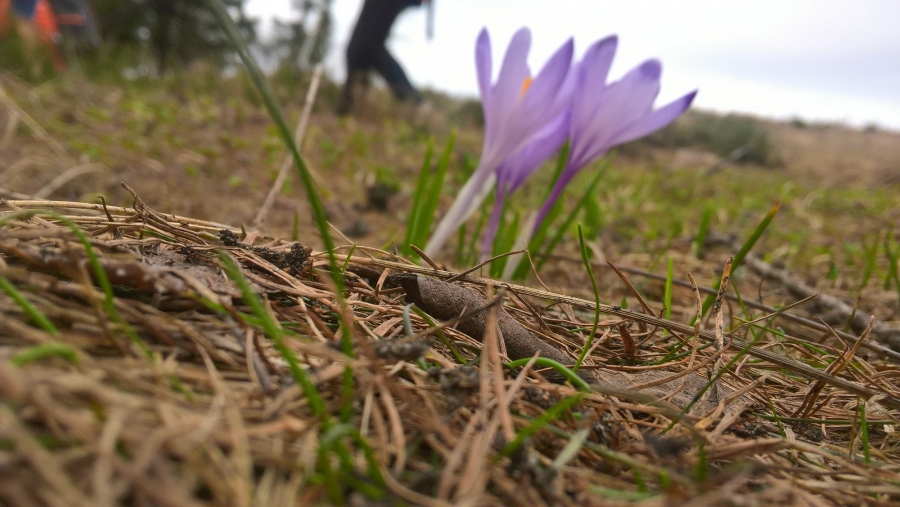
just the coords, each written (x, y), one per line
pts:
(158, 37)
(164, 105)
(162, 39)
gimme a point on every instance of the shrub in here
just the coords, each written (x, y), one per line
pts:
(722, 135)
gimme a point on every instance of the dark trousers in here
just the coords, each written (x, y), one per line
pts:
(367, 51)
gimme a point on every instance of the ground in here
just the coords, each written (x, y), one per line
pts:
(194, 146)
(202, 148)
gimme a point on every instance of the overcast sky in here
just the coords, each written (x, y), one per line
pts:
(833, 60)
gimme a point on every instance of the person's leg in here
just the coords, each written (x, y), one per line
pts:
(356, 80)
(393, 73)
(367, 45)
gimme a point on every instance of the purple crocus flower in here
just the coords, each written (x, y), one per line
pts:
(515, 170)
(606, 115)
(517, 109)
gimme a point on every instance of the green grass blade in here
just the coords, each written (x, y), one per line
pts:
(593, 218)
(893, 263)
(275, 333)
(586, 258)
(374, 471)
(33, 313)
(419, 197)
(570, 219)
(701, 471)
(639, 481)
(503, 243)
(871, 253)
(667, 293)
(472, 250)
(571, 449)
(534, 244)
(754, 237)
(332, 442)
(109, 304)
(259, 80)
(52, 349)
(621, 495)
(312, 196)
(748, 316)
(552, 413)
(560, 165)
(461, 245)
(433, 195)
(715, 378)
(347, 376)
(622, 458)
(443, 337)
(775, 417)
(407, 321)
(24, 214)
(544, 362)
(864, 432)
(347, 260)
(739, 257)
(703, 231)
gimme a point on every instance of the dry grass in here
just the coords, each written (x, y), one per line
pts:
(169, 388)
(171, 391)
(837, 156)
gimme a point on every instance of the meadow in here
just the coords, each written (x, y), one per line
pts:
(166, 345)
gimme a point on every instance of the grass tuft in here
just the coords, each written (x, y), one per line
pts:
(33, 313)
(586, 258)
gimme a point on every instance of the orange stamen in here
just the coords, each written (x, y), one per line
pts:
(526, 85)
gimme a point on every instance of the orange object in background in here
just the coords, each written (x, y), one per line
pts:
(48, 33)
(5, 18)
(42, 26)
(45, 23)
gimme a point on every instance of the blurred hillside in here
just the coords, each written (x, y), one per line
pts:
(165, 45)
(194, 140)
(827, 154)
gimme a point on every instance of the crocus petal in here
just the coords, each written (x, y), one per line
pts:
(515, 170)
(548, 95)
(621, 103)
(632, 96)
(622, 112)
(597, 60)
(545, 88)
(483, 63)
(655, 120)
(513, 73)
(563, 98)
(592, 72)
(514, 69)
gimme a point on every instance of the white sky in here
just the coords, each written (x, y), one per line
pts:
(832, 60)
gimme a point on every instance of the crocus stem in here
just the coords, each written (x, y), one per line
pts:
(521, 244)
(470, 197)
(548, 203)
(490, 234)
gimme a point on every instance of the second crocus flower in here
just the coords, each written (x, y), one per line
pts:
(517, 111)
(607, 115)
